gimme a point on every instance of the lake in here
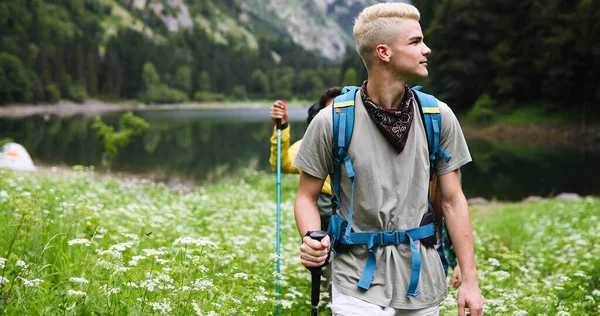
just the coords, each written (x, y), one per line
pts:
(204, 146)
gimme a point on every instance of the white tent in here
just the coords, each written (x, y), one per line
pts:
(14, 156)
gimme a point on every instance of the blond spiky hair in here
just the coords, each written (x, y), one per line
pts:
(374, 26)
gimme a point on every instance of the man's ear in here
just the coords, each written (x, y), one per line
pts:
(383, 52)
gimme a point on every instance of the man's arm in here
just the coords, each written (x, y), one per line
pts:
(458, 222)
(313, 253)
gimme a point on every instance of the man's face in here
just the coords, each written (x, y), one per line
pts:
(409, 52)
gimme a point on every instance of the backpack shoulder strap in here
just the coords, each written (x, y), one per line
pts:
(343, 125)
(433, 123)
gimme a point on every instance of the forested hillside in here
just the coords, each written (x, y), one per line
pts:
(486, 54)
(507, 53)
(75, 49)
(503, 55)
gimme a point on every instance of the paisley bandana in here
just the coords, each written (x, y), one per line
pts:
(393, 124)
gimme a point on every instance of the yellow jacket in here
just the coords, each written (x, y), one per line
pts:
(288, 153)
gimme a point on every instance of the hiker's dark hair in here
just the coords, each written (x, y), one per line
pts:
(317, 106)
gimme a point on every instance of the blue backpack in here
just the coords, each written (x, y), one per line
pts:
(340, 231)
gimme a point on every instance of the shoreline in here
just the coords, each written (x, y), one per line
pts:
(551, 135)
(93, 107)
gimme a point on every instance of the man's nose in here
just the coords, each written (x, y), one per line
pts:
(426, 50)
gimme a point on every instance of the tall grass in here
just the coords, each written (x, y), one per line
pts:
(540, 258)
(77, 243)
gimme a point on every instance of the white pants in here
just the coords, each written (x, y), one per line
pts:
(345, 305)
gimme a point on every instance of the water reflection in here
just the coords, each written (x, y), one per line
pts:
(207, 145)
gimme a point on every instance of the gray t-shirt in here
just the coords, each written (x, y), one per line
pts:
(390, 194)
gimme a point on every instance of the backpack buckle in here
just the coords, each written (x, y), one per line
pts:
(387, 238)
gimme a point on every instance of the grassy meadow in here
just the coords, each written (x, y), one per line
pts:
(79, 243)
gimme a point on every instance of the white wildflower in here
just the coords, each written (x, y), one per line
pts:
(22, 264)
(167, 287)
(202, 284)
(118, 270)
(261, 298)
(79, 280)
(3, 281)
(3, 262)
(501, 275)
(131, 236)
(563, 313)
(164, 307)
(286, 304)
(76, 293)
(197, 308)
(596, 292)
(164, 278)
(160, 261)
(519, 312)
(564, 278)
(196, 242)
(105, 264)
(121, 247)
(111, 252)
(154, 252)
(580, 273)
(494, 262)
(132, 284)
(111, 290)
(81, 241)
(149, 284)
(241, 275)
(31, 283)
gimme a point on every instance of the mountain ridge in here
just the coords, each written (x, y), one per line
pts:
(323, 27)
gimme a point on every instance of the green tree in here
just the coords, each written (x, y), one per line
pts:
(350, 78)
(204, 82)
(129, 126)
(183, 79)
(150, 75)
(13, 83)
(282, 81)
(259, 82)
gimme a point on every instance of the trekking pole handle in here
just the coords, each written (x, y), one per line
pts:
(316, 235)
(316, 275)
(278, 121)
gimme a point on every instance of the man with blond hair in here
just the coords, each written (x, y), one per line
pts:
(390, 156)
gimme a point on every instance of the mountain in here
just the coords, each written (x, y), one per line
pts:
(320, 26)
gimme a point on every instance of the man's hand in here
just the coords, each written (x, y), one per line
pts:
(279, 112)
(456, 278)
(313, 253)
(469, 296)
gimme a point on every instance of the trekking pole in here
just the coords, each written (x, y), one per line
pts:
(278, 286)
(316, 277)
